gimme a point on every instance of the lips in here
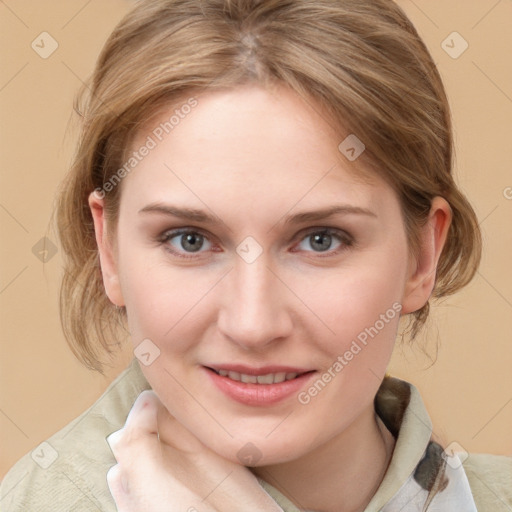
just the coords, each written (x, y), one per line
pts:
(258, 386)
(258, 375)
(268, 378)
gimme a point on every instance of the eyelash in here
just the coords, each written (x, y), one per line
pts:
(343, 237)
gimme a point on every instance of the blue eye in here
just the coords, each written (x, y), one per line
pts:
(325, 240)
(189, 243)
(185, 241)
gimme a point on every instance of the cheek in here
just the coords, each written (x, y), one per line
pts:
(357, 302)
(363, 310)
(158, 298)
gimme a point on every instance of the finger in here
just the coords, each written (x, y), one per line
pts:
(117, 486)
(142, 417)
(140, 432)
(113, 440)
(149, 417)
(114, 480)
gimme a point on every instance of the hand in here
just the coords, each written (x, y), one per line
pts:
(163, 467)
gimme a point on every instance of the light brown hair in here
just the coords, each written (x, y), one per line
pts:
(360, 60)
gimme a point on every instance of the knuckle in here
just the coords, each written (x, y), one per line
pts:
(116, 441)
(117, 482)
(148, 400)
(113, 477)
(148, 393)
(114, 438)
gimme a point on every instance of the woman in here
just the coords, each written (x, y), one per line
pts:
(262, 190)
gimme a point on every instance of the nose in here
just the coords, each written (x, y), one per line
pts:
(255, 311)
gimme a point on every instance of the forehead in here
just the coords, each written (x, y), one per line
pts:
(247, 146)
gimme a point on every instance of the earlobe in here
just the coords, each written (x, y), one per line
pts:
(108, 262)
(422, 268)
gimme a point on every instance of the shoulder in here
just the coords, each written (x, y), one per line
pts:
(490, 479)
(68, 471)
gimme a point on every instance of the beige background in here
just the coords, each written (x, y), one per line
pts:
(42, 387)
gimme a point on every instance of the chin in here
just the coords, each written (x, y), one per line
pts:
(260, 451)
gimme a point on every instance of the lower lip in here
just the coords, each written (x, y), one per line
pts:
(258, 394)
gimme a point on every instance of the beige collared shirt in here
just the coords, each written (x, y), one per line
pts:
(68, 471)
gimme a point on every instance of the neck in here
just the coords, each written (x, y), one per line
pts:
(340, 476)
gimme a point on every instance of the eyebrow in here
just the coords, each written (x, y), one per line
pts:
(194, 215)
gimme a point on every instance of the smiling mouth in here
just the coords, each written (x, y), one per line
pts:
(268, 378)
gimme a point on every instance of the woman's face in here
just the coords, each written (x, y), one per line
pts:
(247, 244)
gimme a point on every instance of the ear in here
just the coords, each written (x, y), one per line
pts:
(423, 266)
(107, 256)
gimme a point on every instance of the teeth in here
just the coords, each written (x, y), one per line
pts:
(251, 379)
(269, 378)
(265, 379)
(279, 377)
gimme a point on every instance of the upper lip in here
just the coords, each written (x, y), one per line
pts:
(260, 370)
